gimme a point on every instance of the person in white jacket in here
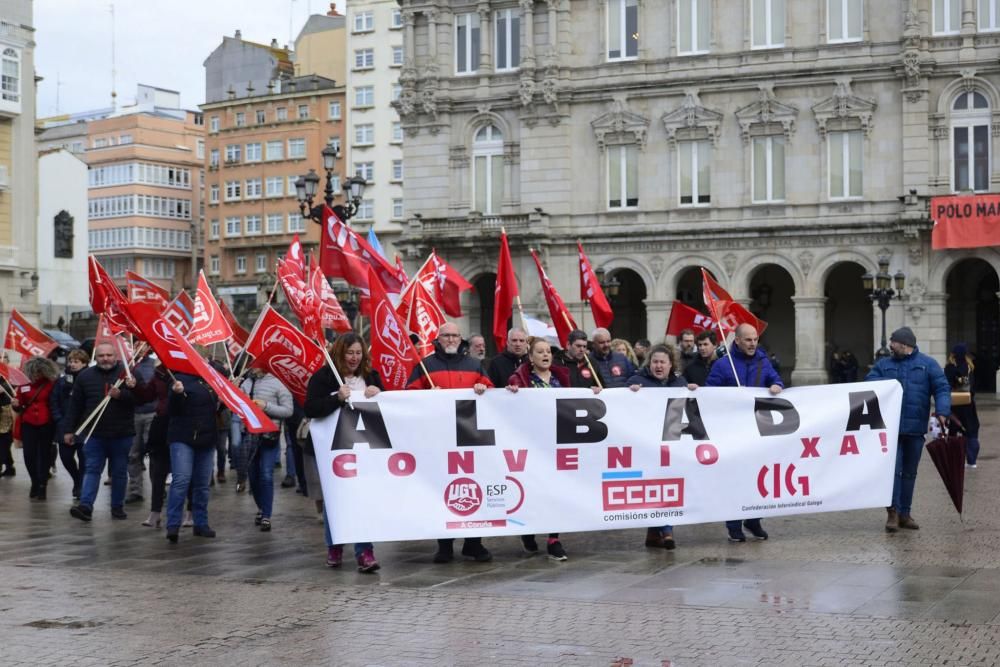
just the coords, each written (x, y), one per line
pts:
(263, 449)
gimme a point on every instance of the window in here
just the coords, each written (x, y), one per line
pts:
(100, 143)
(989, 14)
(10, 76)
(508, 39)
(274, 223)
(253, 224)
(695, 172)
(241, 263)
(397, 132)
(253, 152)
(623, 29)
(213, 124)
(397, 19)
(213, 194)
(365, 170)
(233, 190)
(213, 265)
(125, 139)
(623, 176)
(397, 170)
(241, 119)
(947, 16)
(768, 169)
(296, 148)
(844, 20)
(466, 43)
(234, 226)
(261, 116)
(845, 164)
(281, 113)
(213, 158)
(970, 133)
(274, 186)
(291, 185)
(213, 228)
(333, 110)
(364, 134)
(275, 150)
(199, 149)
(334, 143)
(397, 56)
(364, 96)
(694, 25)
(364, 58)
(295, 223)
(303, 111)
(261, 263)
(366, 209)
(397, 208)
(487, 169)
(364, 22)
(253, 188)
(768, 19)
(233, 152)
(397, 91)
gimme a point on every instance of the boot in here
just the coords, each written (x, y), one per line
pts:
(892, 520)
(654, 538)
(905, 521)
(153, 521)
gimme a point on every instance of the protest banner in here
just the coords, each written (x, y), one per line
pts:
(448, 463)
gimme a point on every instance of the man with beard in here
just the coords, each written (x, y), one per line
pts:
(614, 367)
(687, 348)
(477, 350)
(575, 356)
(447, 368)
(508, 361)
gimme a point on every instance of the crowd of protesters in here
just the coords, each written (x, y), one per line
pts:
(103, 415)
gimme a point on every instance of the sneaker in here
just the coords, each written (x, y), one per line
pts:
(445, 552)
(240, 487)
(203, 531)
(81, 512)
(668, 542)
(891, 521)
(556, 551)
(107, 482)
(188, 520)
(334, 556)
(654, 538)
(118, 513)
(288, 482)
(530, 545)
(76, 493)
(906, 521)
(970, 465)
(737, 536)
(367, 562)
(757, 530)
(477, 552)
(265, 525)
(133, 498)
(257, 519)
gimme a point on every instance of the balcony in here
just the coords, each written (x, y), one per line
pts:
(474, 228)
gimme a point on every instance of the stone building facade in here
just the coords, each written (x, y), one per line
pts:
(786, 146)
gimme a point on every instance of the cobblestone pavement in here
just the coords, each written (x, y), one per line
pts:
(826, 589)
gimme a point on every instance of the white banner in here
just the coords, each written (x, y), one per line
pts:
(410, 465)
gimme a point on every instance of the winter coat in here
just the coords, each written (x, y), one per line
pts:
(192, 413)
(34, 402)
(449, 371)
(59, 400)
(580, 374)
(696, 371)
(89, 389)
(755, 371)
(503, 366)
(522, 376)
(614, 369)
(277, 399)
(143, 373)
(321, 393)
(921, 377)
(644, 378)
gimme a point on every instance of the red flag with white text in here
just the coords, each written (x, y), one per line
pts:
(450, 285)
(106, 298)
(180, 313)
(561, 319)
(332, 315)
(343, 253)
(504, 294)
(25, 339)
(590, 291)
(392, 353)
(727, 313)
(683, 316)
(105, 335)
(209, 325)
(240, 335)
(144, 290)
(295, 258)
(284, 352)
(14, 375)
(422, 316)
(301, 299)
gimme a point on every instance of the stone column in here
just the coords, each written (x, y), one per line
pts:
(553, 27)
(527, 33)
(485, 38)
(408, 17)
(810, 340)
(432, 17)
(657, 314)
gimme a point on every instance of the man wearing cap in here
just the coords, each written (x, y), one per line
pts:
(921, 377)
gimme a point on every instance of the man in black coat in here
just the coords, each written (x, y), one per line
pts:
(696, 370)
(505, 363)
(575, 359)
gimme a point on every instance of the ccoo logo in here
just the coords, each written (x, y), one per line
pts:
(463, 496)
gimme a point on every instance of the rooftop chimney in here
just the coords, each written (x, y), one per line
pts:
(239, 35)
(274, 43)
(333, 10)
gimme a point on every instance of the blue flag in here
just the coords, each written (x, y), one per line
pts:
(373, 241)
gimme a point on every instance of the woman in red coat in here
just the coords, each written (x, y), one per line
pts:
(37, 425)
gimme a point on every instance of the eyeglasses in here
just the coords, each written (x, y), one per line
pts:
(449, 335)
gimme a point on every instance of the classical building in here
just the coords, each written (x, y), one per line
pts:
(374, 134)
(785, 146)
(18, 161)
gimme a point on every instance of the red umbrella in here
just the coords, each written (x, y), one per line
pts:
(948, 454)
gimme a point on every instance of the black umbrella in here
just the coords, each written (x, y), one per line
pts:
(948, 454)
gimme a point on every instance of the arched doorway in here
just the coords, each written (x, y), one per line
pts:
(849, 320)
(690, 290)
(629, 306)
(771, 291)
(480, 310)
(973, 316)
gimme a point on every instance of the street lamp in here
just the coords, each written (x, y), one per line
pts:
(879, 290)
(610, 285)
(307, 187)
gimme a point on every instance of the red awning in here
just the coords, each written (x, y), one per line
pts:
(965, 221)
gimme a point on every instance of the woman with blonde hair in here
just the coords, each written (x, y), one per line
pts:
(961, 373)
(37, 426)
(624, 347)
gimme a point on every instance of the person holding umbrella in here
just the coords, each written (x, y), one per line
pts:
(921, 377)
(961, 373)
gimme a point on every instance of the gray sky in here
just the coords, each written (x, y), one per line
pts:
(157, 42)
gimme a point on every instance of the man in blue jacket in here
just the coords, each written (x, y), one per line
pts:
(921, 376)
(753, 370)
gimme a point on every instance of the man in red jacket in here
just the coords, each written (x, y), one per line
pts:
(449, 368)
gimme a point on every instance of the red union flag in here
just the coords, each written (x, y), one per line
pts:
(300, 297)
(284, 352)
(295, 259)
(561, 319)
(727, 313)
(209, 325)
(14, 375)
(504, 294)
(590, 291)
(180, 313)
(107, 299)
(422, 316)
(106, 336)
(450, 285)
(331, 313)
(177, 354)
(26, 339)
(240, 335)
(683, 316)
(393, 355)
(146, 291)
(345, 254)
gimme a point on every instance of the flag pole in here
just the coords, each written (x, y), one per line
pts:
(517, 297)
(95, 416)
(246, 355)
(586, 356)
(728, 353)
(336, 373)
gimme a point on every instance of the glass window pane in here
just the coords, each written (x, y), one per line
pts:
(759, 169)
(501, 40)
(777, 21)
(631, 29)
(515, 42)
(496, 184)
(474, 48)
(631, 176)
(854, 19)
(684, 153)
(704, 172)
(835, 15)
(460, 45)
(614, 177)
(704, 24)
(836, 145)
(984, 14)
(480, 168)
(759, 22)
(954, 14)
(684, 25)
(981, 143)
(961, 102)
(979, 102)
(856, 162)
(778, 168)
(615, 28)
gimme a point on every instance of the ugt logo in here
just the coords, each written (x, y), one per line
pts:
(792, 484)
(463, 496)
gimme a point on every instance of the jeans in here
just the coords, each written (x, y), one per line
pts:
(96, 452)
(359, 547)
(971, 450)
(159, 468)
(237, 451)
(290, 459)
(220, 451)
(190, 467)
(908, 453)
(138, 452)
(36, 442)
(261, 473)
(736, 527)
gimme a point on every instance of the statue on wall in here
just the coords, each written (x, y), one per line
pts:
(63, 235)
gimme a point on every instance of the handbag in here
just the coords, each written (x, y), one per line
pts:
(959, 398)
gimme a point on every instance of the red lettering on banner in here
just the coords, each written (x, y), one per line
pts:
(465, 460)
(340, 463)
(628, 494)
(402, 464)
(849, 446)
(568, 459)
(515, 463)
(883, 439)
(664, 455)
(706, 454)
(809, 448)
(619, 457)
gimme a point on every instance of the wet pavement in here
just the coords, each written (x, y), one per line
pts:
(826, 589)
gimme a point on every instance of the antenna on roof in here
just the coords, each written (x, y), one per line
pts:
(114, 94)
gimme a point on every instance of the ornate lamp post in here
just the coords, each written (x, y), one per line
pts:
(609, 285)
(879, 290)
(307, 187)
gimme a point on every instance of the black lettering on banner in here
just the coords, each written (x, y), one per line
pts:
(467, 432)
(371, 428)
(572, 428)
(864, 410)
(673, 420)
(764, 409)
